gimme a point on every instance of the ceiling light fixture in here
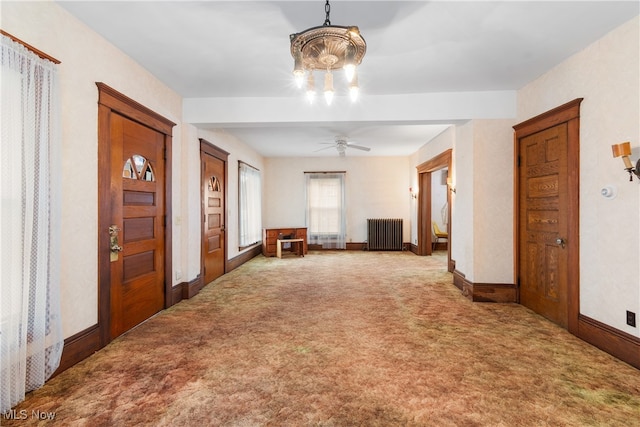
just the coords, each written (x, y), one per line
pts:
(326, 48)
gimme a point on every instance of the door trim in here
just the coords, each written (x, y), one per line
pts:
(568, 113)
(110, 100)
(441, 161)
(220, 154)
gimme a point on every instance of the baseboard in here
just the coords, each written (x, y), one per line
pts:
(245, 256)
(78, 347)
(176, 293)
(360, 246)
(191, 289)
(485, 292)
(622, 345)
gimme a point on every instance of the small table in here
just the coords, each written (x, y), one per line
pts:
(297, 243)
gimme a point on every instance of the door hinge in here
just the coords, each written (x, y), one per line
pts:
(164, 153)
(519, 161)
(164, 220)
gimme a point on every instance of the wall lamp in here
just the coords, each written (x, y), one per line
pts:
(413, 193)
(450, 185)
(624, 149)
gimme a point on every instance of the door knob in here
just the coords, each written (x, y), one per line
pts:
(114, 247)
(560, 241)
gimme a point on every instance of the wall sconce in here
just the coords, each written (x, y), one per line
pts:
(624, 149)
(414, 194)
(450, 185)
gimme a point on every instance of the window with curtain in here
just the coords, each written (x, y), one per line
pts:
(250, 204)
(326, 209)
(30, 328)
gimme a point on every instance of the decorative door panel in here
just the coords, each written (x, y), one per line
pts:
(543, 222)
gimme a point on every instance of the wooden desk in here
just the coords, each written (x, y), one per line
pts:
(270, 236)
(297, 243)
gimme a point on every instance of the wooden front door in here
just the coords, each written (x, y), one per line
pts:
(213, 214)
(137, 234)
(134, 200)
(543, 222)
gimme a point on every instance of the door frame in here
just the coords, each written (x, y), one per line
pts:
(568, 113)
(425, 239)
(111, 101)
(223, 156)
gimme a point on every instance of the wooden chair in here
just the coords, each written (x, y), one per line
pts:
(438, 234)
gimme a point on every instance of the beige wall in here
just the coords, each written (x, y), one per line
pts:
(606, 74)
(85, 58)
(376, 187)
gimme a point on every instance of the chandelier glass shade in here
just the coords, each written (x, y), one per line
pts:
(327, 48)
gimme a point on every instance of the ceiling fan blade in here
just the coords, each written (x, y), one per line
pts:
(359, 147)
(323, 148)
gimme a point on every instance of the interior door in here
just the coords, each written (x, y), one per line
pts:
(213, 230)
(543, 223)
(137, 231)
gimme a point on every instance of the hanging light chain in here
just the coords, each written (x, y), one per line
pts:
(327, 11)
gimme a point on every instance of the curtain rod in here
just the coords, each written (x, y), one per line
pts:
(40, 53)
(245, 163)
(326, 172)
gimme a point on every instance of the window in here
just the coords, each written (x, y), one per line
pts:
(250, 204)
(326, 209)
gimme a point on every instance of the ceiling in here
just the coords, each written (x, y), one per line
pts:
(240, 49)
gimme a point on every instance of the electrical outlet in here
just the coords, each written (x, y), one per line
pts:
(631, 318)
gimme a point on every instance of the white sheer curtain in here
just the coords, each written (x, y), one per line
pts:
(326, 209)
(250, 202)
(30, 329)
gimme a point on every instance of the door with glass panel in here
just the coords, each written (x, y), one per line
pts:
(136, 228)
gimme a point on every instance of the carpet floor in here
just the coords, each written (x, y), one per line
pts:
(343, 338)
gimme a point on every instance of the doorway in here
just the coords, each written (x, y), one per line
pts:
(134, 194)
(426, 174)
(213, 162)
(547, 214)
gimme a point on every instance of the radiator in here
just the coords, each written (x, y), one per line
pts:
(384, 234)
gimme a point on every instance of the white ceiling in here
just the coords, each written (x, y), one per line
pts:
(228, 49)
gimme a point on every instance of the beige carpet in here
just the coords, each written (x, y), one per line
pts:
(342, 339)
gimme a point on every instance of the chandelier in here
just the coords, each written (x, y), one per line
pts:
(326, 48)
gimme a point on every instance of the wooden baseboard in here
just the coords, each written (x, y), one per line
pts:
(359, 246)
(176, 293)
(237, 261)
(191, 289)
(625, 347)
(485, 292)
(78, 347)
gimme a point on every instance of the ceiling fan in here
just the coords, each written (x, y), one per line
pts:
(341, 144)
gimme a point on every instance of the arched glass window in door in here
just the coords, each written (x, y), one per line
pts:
(214, 184)
(138, 167)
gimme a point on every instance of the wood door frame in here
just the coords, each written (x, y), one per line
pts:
(425, 239)
(568, 113)
(111, 101)
(223, 156)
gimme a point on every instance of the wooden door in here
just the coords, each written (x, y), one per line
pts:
(137, 227)
(544, 225)
(213, 208)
